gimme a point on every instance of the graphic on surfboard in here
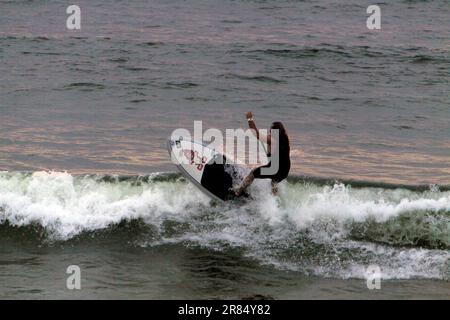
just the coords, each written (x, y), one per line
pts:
(200, 165)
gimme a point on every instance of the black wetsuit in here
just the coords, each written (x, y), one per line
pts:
(284, 163)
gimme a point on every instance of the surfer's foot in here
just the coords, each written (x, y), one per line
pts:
(274, 188)
(238, 192)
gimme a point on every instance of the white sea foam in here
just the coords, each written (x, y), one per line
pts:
(270, 229)
(67, 206)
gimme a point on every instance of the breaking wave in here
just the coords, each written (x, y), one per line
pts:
(321, 227)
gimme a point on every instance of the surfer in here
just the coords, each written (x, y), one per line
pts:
(281, 147)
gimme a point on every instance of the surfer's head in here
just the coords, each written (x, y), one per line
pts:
(277, 125)
(281, 129)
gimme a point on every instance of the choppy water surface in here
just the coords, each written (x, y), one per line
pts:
(99, 103)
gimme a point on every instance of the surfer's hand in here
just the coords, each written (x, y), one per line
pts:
(249, 115)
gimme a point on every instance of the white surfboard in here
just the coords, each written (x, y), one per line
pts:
(206, 168)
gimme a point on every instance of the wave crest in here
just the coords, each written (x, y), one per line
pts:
(325, 229)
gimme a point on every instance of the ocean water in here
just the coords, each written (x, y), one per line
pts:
(85, 177)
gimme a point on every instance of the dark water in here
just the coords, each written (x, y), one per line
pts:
(159, 237)
(371, 106)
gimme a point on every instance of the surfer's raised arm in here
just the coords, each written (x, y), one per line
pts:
(260, 136)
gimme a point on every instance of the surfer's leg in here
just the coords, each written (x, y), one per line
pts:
(246, 183)
(254, 174)
(274, 188)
